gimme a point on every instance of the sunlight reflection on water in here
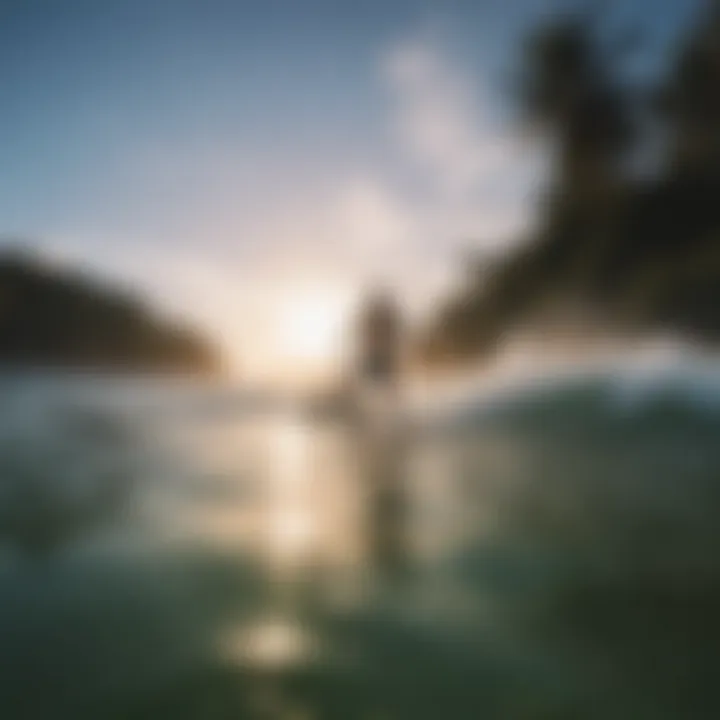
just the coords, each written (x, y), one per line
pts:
(269, 644)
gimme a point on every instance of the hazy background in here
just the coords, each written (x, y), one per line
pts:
(250, 166)
(195, 189)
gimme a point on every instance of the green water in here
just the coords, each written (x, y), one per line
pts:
(173, 551)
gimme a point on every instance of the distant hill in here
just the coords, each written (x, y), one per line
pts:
(63, 319)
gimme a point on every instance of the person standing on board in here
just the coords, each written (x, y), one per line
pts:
(379, 343)
(382, 444)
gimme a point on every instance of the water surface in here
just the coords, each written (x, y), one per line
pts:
(182, 550)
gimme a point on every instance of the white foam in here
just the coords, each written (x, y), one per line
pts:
(636, 374)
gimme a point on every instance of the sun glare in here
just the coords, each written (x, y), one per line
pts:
(311, 328)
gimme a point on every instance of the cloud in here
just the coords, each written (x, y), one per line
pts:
(438, 119)
(480, 178)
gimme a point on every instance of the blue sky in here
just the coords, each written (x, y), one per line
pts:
(230, 158)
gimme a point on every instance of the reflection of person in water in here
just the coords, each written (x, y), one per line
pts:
(388, 526)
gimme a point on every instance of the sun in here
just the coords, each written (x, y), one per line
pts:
(311, 328)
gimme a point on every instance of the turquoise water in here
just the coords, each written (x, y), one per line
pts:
(179, 550)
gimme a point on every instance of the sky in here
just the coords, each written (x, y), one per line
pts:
(252, 166)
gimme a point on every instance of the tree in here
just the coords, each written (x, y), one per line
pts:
(569, 90)
(691, 98)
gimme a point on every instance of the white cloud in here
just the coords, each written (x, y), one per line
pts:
(440, 120)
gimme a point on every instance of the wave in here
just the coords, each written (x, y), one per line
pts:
(628, 389)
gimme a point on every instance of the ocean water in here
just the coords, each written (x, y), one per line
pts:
(546, 549)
